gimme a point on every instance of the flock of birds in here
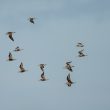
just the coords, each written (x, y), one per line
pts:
(68, 65)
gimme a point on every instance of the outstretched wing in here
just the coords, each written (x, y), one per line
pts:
(69, 62)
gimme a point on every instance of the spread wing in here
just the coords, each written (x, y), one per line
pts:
(69, 62)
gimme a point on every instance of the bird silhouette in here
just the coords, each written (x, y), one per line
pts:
(17, 49)
(43, 77)
(69, 66)
(79, 44)
(81, 54)
(10, 35)
(42, 67)
(31, 19)
(21, 67)
(69, 82)
(10, 57)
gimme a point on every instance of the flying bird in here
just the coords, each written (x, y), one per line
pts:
(31, 19)
(42, 67)
(81, 54)
(17, 49)
(69, 66)
(10, 57)
(10, 35)
(21, 67)
(79, 44)
(69, 82)
(43, 77)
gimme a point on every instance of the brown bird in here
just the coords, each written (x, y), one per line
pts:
(10, 58)
(43, 77)
(42, 67)
(69, 66)
(10, 35)
(21, 67)
(69, 82)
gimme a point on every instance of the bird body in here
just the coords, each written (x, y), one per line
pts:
(79, 44)
(17, 49)
(31, 19)
(10, 58)
(42, 67)
(81, 51)
(21, 67)
(81, 54)
(69, 66)
(43, 77)
(69, 82)
(10, 35)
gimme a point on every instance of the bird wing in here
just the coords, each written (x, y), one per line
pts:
(43, 76)
(10, 36)
(10, 56)
(69, 62)
(32, 21)
(69, 79)
(21, 66)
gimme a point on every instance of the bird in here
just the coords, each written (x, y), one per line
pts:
(81, 51)
(42, 67)
(69, 82)
(31, 19)
(21, 67)
(10, 35)
(17, 49)
(69, 66)
(81, 54)
(10, 57)
(43, 77)
(79, 44)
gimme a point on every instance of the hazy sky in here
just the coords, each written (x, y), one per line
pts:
(52, 40)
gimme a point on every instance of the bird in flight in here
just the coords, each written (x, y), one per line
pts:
(31, 19)
(10, 35)
(69, 82)
(81, 54)
(43, 77)
(79, 44)
(10, 57)
(17, 49)
(69, 66)
(21, 67)
(42, 67)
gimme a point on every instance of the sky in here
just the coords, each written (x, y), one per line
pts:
(59, 26)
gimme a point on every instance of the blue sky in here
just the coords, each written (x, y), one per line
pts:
(52, 40)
